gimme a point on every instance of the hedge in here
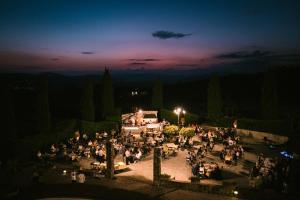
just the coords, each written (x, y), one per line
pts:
(281, 127)
(114, 118)
(93, 127)
(62, 130)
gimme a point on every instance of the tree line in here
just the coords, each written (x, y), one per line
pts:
(215, 108)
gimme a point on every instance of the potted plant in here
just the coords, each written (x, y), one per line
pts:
(170, 131)
(187, 132)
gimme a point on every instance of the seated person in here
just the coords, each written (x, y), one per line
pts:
(195, 169)
(201, 170)
(101, 156)
(230, 142)
(228, 158)
(53, 149)
(81, 177)
(73, 176)
(138, 155)
(222, 155)
(254, 171)
(127, 156)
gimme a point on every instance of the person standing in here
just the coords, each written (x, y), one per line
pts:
(73, 176)
(127, 156)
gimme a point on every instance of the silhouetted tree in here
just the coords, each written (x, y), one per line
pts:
(269, 98)
(107, 94)
(8, 124)
(214, 98)
(87, 103)
(43, 113)
(157, 95)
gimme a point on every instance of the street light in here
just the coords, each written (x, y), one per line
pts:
(178, 111)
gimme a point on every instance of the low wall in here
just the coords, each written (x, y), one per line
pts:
(260, 135)
(224, 189)
(280, 139)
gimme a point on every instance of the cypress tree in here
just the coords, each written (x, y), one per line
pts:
(43, 113)
(8, 124)
(87, 102)
(269, 98)
(157, 95)
(107, 94)
(214, 98)
(8, 116)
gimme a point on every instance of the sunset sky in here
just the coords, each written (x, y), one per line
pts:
(89, 35)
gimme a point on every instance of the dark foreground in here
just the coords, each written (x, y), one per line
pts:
(128, 188)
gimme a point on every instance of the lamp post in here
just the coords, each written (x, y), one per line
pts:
(178, 111)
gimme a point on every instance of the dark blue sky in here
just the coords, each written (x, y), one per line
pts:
(88, 35)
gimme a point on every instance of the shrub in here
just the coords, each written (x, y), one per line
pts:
(171, 130)
(282, 127)
(188, 132)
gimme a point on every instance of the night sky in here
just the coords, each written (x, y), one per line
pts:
(148, 35)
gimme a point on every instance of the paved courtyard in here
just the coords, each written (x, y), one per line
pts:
(179, 170)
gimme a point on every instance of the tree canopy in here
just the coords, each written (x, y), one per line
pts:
(87, 102)
(107, 96)
(269, 98)
(8, 124)
(214, 98)
(157, 95)
(43, 113)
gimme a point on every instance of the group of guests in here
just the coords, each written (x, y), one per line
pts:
(271, 172)
(196, 154)
(184, 141)
(132, 155)
(77, 147)
(132, 148)
(206, 170)
(232, 151)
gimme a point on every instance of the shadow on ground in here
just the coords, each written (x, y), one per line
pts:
(79, 191)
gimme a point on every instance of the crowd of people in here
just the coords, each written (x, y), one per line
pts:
(271, 172)
(205, 142)
(232, 151)
(266, 172)
(203, 169)
(94, 147)
(77, 147)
